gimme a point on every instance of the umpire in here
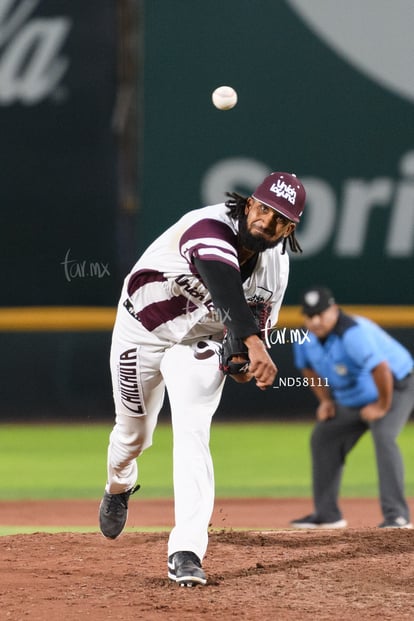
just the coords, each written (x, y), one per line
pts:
(363, 379)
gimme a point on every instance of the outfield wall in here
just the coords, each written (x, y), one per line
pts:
(109, 135)
(57, 367)
(326, 90)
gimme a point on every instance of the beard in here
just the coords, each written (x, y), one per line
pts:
(253, 243)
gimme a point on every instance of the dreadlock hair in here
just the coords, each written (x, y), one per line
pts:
(236, 204)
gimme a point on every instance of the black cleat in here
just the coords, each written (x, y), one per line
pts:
(113, 512)
(185, 569)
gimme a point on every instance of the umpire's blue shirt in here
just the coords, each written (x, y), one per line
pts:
(347, 356)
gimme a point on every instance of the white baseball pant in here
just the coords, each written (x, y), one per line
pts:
(142, 366)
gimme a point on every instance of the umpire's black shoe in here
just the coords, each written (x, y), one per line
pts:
(113, 512)
(185, 568)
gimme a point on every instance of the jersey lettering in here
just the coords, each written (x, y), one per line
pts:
(128, 381)
(185, 284)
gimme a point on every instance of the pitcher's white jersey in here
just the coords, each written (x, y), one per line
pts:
(168, 296)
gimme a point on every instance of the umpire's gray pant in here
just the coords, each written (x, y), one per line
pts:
(332, 440)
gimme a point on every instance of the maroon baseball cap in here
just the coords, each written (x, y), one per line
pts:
(284, 193)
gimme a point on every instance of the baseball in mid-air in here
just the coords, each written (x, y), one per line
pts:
(224, 97)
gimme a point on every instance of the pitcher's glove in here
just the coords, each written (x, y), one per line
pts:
(233, 348)
(234, 355)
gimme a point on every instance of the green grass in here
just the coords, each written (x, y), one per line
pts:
(267, 459)
(274, 460)
(29, 530)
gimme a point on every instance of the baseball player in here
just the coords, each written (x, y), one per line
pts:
(219, 269)
(363, 379)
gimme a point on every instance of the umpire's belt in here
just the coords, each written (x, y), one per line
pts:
(398, 384)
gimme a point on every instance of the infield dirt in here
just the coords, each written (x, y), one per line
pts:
(270, 573)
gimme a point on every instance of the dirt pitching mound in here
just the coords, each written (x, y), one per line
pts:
(362, 573)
